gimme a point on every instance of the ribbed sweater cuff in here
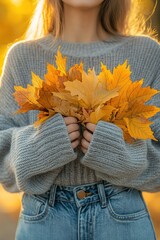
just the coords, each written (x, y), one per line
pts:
(106, 143)
(108, 153)
(38, 151)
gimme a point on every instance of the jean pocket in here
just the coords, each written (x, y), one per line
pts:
(33, 208)
(127, 205)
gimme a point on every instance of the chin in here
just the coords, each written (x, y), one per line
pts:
(83, 3)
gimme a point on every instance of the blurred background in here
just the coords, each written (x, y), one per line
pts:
(14, 19)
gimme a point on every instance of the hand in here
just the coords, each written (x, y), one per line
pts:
(87, 136)
(73, 130)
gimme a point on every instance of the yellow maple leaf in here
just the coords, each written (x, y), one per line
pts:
(61, 62)
(139, 128)
(122, 109)
(90, 91)
(93, 116)
(37, 82)
(122, 124)
(130, 103)
(105, 77)
(120, 77)
(139, 94)
(100, 113)
(110, 113)
(51, 78)
(146, 111)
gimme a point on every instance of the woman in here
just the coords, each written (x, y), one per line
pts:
(88, 188)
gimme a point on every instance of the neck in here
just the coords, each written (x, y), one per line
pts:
(82, 25)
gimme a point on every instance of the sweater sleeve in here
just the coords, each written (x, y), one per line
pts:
(30, 159)
(134, 165)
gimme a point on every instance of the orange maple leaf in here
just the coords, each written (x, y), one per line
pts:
(27, 97)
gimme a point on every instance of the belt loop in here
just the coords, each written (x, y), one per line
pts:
(102, 194)
(52, 195)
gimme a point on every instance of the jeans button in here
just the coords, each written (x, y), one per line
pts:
(81, 194)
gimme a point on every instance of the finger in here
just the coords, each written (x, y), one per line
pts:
(69, 120)
(84, 143)
(75, 143)
(87, 135)
(73, 127)
(84, 150)
(91, 126)
(74, 135)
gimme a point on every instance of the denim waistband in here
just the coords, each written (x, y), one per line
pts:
(82, 194)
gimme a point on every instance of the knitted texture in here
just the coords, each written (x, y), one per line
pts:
(31, 160)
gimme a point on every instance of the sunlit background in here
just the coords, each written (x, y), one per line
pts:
(14, 19)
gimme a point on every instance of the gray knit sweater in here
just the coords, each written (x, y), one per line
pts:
(32, 160)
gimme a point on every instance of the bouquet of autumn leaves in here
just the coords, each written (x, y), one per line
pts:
(108, 96)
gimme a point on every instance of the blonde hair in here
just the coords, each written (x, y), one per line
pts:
(118, 17)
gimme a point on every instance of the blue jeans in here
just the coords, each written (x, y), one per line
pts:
(98, 211)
